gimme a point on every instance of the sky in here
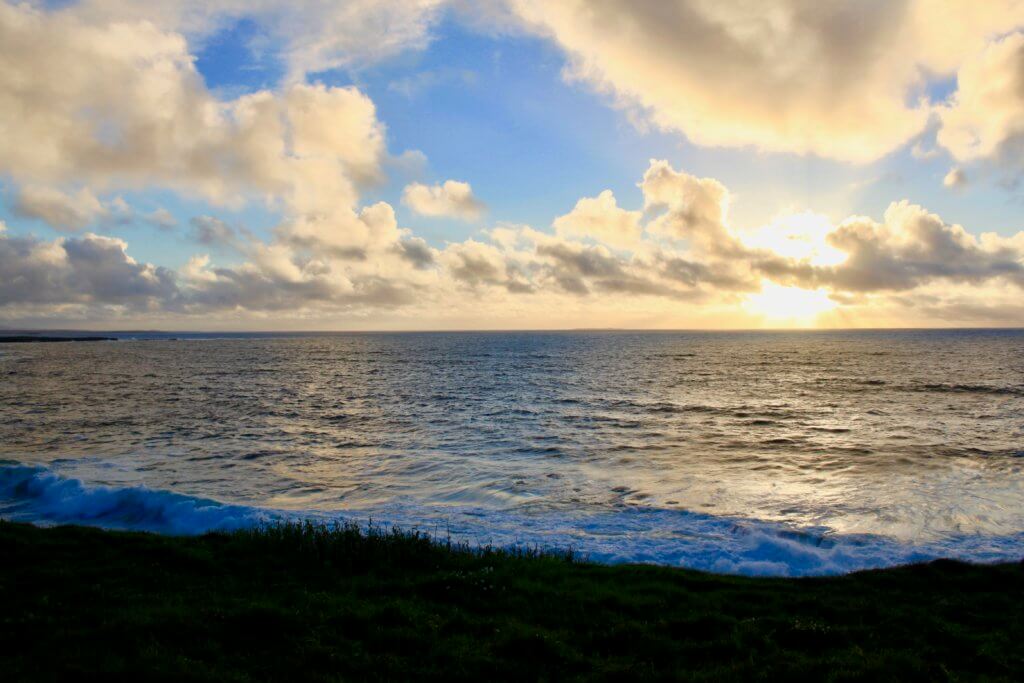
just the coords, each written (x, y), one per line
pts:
(511, 164)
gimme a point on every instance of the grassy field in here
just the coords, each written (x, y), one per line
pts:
(308, 603)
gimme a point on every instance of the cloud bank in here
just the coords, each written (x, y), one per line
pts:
(91, 106)
(683, 257)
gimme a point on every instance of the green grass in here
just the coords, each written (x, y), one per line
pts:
(310, 603)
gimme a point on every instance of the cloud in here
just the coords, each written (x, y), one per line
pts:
(601, 218)
(713, 276)
(275, 281)
(985, 119)
(121, 105)
(695, 209)
(579, 269)
(910, 248)
(60, 210)
(75, 211)
(411, 162)
(416, 251)
(72, 211)
(686, 252)
(924, 152)
(956, 178)
(91, 270)
(93, 276)
(843, 80)
(452, 199)
(523, 260)
(476, 264)
(414, 85)
(345, 233)
(161, 218)
(909, 262)
(211, 231)
(309, 36)
(322, 36)
(704, 257)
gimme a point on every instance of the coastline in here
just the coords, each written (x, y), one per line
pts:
(630, 535)
(329, 603)
(38, 339)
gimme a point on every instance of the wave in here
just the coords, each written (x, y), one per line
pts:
(972, 389)
(35, 494)
(627, 534)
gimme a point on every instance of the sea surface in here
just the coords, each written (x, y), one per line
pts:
(783, 453)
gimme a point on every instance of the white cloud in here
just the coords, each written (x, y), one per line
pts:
(956, 178)
(985, 119)
(121, 105)
(909, 262)
(836, 79)
(196, 270)
(601, 218)
(452, 198)
(909, 249)
(309, 36)
(840, 79)
(695, 209)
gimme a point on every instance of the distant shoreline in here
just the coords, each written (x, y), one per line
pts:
(28, 339)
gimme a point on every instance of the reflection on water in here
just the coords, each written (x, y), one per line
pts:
(914, 435)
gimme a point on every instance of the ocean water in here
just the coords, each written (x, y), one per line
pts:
(750, 452)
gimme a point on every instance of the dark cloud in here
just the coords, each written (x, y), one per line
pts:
(81, 270)
(717, 275)
(65, 211)
(417, 252)
(578, 268)
(476, 267)
(213, 232)
(256, 290)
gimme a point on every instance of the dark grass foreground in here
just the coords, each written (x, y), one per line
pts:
(299, 603)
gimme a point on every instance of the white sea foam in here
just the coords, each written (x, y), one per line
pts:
(35, 494)
(632, 534)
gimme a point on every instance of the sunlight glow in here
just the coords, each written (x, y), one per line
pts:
(788, 306)
(799, 236)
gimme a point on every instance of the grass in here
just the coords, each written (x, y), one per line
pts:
(305, 602)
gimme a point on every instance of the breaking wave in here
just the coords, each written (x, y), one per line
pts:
(35, 494)
(634, 534)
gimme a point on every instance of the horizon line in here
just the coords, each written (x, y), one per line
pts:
(41, 330)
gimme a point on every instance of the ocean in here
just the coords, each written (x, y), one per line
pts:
(778, 453)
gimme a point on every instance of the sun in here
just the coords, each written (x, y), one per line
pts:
(780, 306)
(802, 236)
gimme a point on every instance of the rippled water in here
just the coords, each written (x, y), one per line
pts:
(759, 452)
